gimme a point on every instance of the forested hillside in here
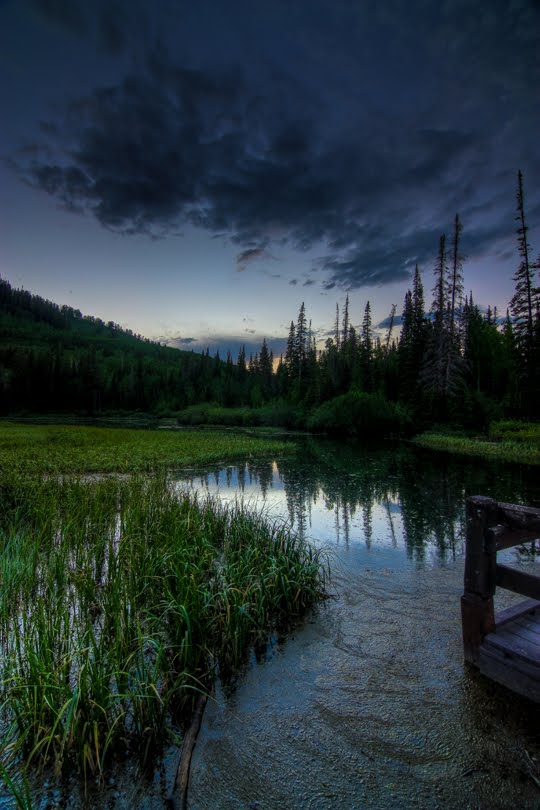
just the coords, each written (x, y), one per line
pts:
(55, 359)
(451, 363)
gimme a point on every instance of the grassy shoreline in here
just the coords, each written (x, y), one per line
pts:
(40, 449)
(122, 597)
(510, 441)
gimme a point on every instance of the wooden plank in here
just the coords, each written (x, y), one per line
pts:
(519, 517)
(507, 538)
(531, 625)
(518, 581)
(515, 674)
(514, 646)
(527, 630)
(528, 606)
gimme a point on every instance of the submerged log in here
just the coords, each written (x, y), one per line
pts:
(178, 797)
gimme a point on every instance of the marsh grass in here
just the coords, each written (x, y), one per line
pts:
(120, 600)
(36, 449)
(507, 441)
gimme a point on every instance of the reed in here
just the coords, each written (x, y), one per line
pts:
(120, 599)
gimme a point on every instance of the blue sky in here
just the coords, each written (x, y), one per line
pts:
(196, 171)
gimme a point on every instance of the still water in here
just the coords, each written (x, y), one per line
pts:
(367, 703)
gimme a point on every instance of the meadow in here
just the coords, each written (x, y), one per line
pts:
(122, 598)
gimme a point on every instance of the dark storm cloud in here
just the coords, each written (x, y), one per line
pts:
(362, 152)
(109, 23)
(64, 13)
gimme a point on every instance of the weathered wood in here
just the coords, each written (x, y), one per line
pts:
(477, 615)
(508, 538)
(506, 648)
(519, 517)
(529, 607)
(178, 797)
(517, 581)
(527, 630)
(480, 547)
(514, 646)
(477, 620)
(513, 673)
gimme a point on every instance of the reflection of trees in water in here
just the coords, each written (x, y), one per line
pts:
(427, 491)
(390, 523)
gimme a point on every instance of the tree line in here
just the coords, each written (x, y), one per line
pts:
(452, 362)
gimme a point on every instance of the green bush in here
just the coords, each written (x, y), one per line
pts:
(207, 414)
(359, 414)
(476, 411)
(280, 413)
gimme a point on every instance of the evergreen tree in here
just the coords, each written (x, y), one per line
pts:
(301, 340)
(265, 370)
(366, 350)
(523, 302)
(524, 306)
(390, 326)
(291, 356)
(345, 326)
(456, 282)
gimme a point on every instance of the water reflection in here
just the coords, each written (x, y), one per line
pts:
(368, 704)
(397, 498)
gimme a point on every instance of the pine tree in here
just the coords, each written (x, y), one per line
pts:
(390, 326)
(301, 339)
(434, 366)
(366, 349)
(265, 369)
(336, 328)
(523, 302)
(291, 357)
(345, 327)
(456, 282)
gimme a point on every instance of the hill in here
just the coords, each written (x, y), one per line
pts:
(55, 359)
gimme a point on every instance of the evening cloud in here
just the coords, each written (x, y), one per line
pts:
(364, 168)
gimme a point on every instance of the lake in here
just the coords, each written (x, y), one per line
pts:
(368, 703)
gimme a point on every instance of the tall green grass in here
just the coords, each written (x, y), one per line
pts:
(121, 599)
(506, 441)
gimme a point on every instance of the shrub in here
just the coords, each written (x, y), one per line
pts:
(359, 414)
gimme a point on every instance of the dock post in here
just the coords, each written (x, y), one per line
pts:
(477, 613)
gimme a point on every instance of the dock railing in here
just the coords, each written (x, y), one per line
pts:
(492, 527)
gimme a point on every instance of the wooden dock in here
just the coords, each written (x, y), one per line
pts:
(506, 647)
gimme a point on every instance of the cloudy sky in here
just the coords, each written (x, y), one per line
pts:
(196, 170)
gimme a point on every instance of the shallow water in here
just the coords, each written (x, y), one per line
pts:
(368, 704)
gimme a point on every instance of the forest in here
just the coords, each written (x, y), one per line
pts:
(451, 363)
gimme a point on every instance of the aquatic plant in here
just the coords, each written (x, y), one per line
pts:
(121, 599)
(35, 449)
